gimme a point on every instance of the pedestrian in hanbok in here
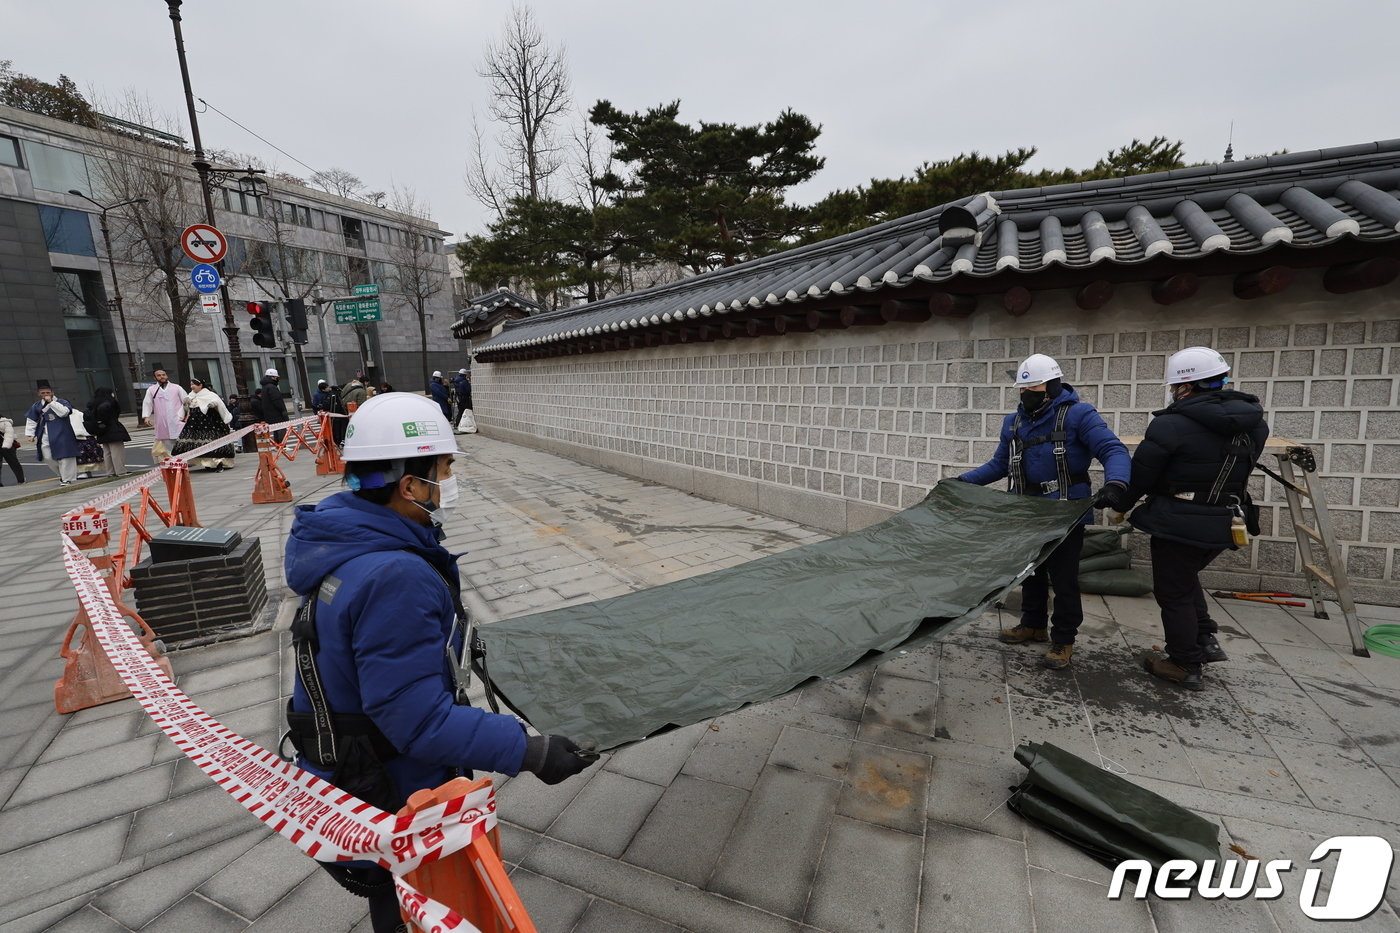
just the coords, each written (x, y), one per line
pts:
(206, 418)
(162, 408)
(49, 424)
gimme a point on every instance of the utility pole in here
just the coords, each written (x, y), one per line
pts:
(235, 351)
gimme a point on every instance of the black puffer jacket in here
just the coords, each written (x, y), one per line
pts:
(1183, 451)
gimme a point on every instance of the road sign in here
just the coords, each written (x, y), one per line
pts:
(205, 278)
(203, 243)
(365, 290)
(210, 303)
(354, 312)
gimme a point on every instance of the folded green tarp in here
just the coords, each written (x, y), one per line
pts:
(1106, 815)
(621, 669)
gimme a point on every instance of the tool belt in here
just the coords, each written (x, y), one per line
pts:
(1041, 489)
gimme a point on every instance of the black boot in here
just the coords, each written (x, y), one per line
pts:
(1213, 650)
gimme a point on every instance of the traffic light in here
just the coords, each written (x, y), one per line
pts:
(296, 319)
(262, 324)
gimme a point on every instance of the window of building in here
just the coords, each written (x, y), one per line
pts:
(54, 169)
(207, 370)
(67, 231)
(353, 232)
(9, 151)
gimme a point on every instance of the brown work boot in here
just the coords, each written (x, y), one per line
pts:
(1024, 633)
(1187, 676)
(1058, 657)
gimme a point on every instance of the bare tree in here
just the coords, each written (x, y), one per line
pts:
(338, 181)
(530, 91)
(421, 264)
(147, 234)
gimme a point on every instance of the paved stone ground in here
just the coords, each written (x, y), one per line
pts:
(871, 803)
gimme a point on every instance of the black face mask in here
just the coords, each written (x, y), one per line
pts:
(1031, 399)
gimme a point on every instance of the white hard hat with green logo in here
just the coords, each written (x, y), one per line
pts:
(395, 426)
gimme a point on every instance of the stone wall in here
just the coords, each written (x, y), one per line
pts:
(838, 429)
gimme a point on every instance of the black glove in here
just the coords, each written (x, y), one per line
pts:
(1114, 496)
(554, 758)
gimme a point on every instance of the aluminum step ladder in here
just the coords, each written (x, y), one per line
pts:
(1317, 544)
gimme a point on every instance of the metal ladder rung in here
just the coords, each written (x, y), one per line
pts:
(1320, 574)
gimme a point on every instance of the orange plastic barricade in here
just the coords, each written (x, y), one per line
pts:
(328, 460)
(176, 473)
(88, 676)
(270, 485)
(472, 881)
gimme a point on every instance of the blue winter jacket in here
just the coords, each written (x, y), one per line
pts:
(382, 638)
(1089, 439)
(442, 396)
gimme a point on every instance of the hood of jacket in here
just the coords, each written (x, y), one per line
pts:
(1224, 411)
(266, 379)
(343, 527)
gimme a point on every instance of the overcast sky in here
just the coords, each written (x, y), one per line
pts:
(386, 90)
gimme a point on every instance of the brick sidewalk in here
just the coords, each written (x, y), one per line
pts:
(870, 803)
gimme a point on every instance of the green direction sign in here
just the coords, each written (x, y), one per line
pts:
(353, 312)
(365, 290)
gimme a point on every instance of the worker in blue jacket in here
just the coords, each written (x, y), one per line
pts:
(379, 635)
(441, 393)
(1046, 446)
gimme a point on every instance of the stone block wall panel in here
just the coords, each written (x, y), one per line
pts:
(874, 416)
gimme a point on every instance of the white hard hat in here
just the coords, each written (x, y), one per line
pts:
(271, 372)
(461, 372)
(437, 374)
(1195, 363)
(1035, 369)
(397, 425)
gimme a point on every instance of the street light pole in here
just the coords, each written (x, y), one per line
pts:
(102, 210)
(235, 351)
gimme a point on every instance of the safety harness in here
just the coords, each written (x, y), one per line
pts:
(1059, 437)
(1222, 491)
(341, 741)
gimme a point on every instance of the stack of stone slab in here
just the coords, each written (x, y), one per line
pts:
(201, 585)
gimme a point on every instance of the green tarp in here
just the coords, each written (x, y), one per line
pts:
(621, 669)
(1107, 816)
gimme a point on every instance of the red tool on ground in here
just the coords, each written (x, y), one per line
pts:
(1262, 598)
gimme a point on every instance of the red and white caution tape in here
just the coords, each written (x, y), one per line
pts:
(131, 487)
(319, 818)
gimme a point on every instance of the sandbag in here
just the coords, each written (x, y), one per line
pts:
(1115, 583)
(1118, 559)
(1101, 540)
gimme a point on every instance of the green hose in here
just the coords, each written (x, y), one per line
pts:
(1384, 639)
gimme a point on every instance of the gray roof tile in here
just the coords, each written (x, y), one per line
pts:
(1305, 199)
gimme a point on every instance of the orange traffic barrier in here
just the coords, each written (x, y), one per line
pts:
(472, 881)
(328, 452)
(270, 485)
(176, 473)
(88, 676)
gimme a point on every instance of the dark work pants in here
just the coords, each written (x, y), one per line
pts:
(1176, 586)
(11, 456)
(1060, 572)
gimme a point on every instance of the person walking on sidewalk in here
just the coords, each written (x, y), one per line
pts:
(381, 630)
(1193, 465)
(1046, 446)
(274, 409)
(207, 419)
(441, 393)
(103, 419)
(462, 385)
(49, 424)
(354, 391)
(161, 408)
(9, 449)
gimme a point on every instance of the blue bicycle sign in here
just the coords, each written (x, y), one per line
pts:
(205, 278)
